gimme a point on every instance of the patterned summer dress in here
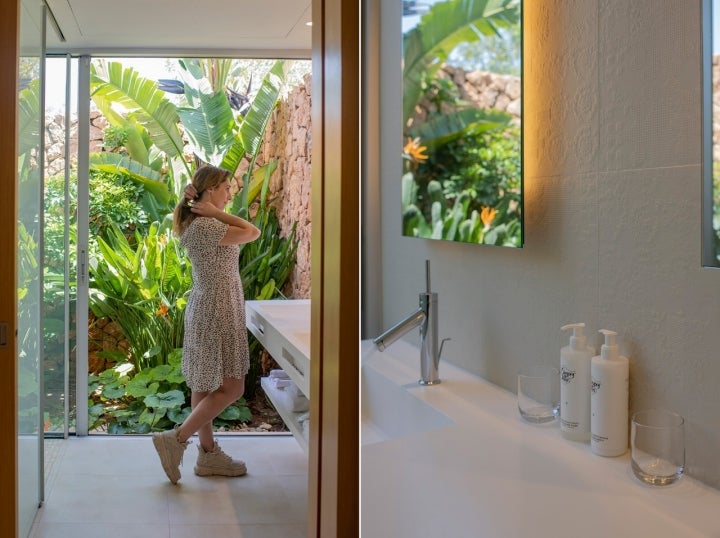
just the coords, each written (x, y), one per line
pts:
(215, 344)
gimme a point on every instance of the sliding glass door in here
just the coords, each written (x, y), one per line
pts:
(29, 264)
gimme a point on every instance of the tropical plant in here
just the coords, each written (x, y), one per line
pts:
(143, 290)
(456, 222)
(123, 400)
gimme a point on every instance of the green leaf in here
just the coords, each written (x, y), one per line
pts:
(144, 102)
(230, 413)
(115, 428)
(209, 126)
(178, 416)
(444, 128)
(113, 391)
(165, 400)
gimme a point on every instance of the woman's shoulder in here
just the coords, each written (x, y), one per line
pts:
(203, 228)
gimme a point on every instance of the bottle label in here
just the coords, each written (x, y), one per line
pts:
(566, 375)
(598, 438)
(594, 386)
(569, 424)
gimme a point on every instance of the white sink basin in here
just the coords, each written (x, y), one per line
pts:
(390, 411)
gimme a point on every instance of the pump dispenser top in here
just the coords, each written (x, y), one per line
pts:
(609, 349)
(577, 340)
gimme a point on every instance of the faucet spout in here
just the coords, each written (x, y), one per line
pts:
(400, 329)
(425, 317)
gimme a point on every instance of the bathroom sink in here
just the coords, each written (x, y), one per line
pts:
(291, 312)
(389, 410)
(303, 338)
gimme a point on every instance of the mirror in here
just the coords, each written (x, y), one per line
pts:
(711, 134)
(462, 128)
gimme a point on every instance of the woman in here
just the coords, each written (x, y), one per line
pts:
(215, 349)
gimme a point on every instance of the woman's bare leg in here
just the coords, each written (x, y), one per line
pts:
(205, 433)
(207, 406)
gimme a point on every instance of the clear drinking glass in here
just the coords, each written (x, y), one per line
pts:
(539, 393)
(657, 442)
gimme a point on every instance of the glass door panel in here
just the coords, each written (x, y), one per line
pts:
(60, 234)
(29, 264)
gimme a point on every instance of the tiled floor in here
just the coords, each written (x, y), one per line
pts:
(114, 487)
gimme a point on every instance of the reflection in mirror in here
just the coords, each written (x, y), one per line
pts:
(462, 111)
(711, 133)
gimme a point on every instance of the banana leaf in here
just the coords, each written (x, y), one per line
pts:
(144, 102)
(253, 125)
(447, 127)
(209, 126)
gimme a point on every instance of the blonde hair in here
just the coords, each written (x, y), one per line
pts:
(205, 177)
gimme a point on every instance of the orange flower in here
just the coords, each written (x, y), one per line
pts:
(162, 311)
(414, 150)
(487, 215)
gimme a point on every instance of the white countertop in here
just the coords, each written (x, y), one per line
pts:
(487, 473)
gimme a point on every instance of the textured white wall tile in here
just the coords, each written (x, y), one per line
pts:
(649, 82)
(612, 207)
(560, 101)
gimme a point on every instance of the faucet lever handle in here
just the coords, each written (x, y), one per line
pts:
(442, 343)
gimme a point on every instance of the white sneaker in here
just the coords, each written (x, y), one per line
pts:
(217, 463)
(170, 450)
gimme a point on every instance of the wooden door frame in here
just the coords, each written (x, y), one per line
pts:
(9, 50)
(333, 492)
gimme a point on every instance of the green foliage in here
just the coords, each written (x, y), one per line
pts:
(114, 137)
(143, 290)
(446, 196)
(487, 167)
(123, 400)
(115, 201)
(456, 222)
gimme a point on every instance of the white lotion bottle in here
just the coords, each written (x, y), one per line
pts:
(610, 373)
(575, 385)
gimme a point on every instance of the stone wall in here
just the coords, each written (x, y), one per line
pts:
(481, 88)
(287, 140)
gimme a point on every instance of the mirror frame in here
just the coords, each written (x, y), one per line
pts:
(709, 236)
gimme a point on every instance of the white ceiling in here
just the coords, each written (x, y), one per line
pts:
(271, 28)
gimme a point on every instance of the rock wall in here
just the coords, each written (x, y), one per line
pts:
(481, 88)
(289, 142)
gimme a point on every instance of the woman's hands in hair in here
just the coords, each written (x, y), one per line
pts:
(204, 209)
(190, 193)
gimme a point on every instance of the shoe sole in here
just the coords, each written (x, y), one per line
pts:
(172, 474)
(209, 471)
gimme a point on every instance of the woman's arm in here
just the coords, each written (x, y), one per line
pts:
(239, 231)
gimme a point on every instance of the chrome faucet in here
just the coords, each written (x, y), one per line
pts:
(426, 318)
